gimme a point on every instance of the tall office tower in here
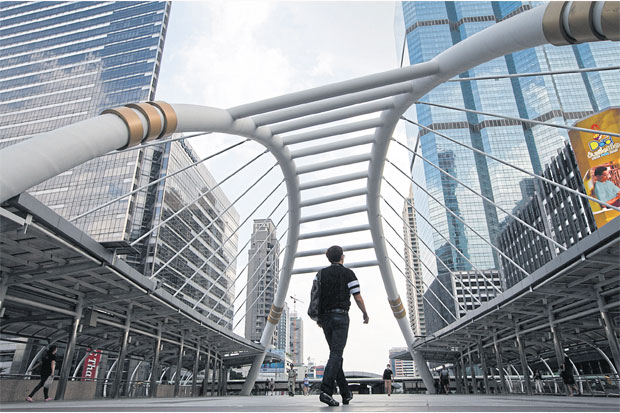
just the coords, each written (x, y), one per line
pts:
(283, 330)
(413, 269)
(401, 368)
(193, 252)
(297, 338)
(262, 283)
(63, 62)
(432, 27)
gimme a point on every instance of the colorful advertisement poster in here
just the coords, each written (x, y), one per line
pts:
(598, 158)
(91, 363)
(277, 367)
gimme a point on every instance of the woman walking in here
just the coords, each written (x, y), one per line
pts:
(48, 365)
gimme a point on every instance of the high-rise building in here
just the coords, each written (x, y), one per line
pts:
(454, 293)
(562, 216)
(413, 269)
(471, 288)
(401, 368)
(193, 252)
(62, 62)
(432, 27)
(262, 282)
(283, 330)
(297, 338)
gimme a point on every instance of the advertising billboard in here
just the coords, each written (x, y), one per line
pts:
(598, 158)
(277, 367)
(91, 363)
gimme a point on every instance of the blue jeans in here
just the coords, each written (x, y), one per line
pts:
(336, 329)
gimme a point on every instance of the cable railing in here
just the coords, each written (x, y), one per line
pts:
(202, 195)
(163, 178)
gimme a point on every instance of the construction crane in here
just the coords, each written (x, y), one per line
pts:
(295, 300)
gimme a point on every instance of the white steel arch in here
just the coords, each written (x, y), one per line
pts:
(276, 124)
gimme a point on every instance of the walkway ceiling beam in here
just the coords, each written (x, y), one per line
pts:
(333, 116)
(345, 248)
(314, 270)
(333, 180)
(331, 104)
(333, 197)
(333, 163)
(333, 214)
(332, 131)
(336, 89)
(333, 146)
(336, 231)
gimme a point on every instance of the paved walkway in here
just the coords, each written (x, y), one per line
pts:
(370, 403)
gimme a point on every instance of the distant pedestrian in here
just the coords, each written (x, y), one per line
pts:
(538, 381)
(271, 386)
(444, 379)
(306, 385)
(569, 381)
(48, 365)
(292, 378)
(387, 379)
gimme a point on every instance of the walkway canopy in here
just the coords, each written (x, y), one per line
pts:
(57, 270)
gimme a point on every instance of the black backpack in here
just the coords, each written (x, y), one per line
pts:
(315, 298)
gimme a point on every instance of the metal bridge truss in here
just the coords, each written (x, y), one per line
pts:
(282, 124)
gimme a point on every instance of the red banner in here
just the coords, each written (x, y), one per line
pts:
(91, 363)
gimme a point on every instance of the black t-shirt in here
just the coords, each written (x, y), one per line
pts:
(387, 374)
(46, 364)
(337, 284)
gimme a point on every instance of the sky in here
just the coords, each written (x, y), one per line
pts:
(223, 54)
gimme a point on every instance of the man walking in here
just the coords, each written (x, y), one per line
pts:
(292, 378)
(387, 379)
(337, 284)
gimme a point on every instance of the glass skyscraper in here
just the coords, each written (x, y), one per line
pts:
(432, 27)
(62, 62)
(201, 274)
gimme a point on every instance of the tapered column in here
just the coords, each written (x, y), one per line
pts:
(66, 365)
(500, 365)
(464, 370)
(195, 372)
(177, 381)
(457, 376)
(612, 339)
(483, 366)
(155, 366)
(223, 380)
(524, 368)
(205, 383)
(213, 375)
(557, 338)
(120, 362)
(3, 289)
(473, 372)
